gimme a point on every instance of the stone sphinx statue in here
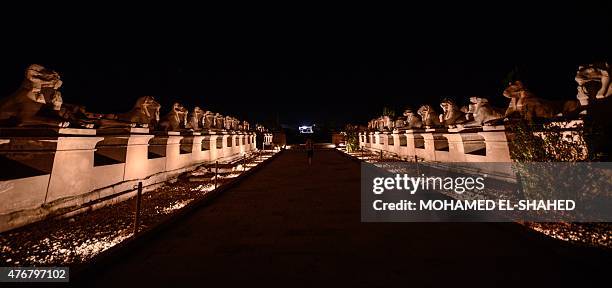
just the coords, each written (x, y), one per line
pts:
(37, 102)
(175, 120)
(235, 124)
(524, 104)
(380, 124)
(468, 111)
(227, 123)
(400, 122)
(219, 121)
(451, 113)
(388, 123)
(245, 125)
(372, 124)
(196, 119)
(209, 120)
(429, 116)
(145, 113)
(482, 111)
(78, 116)
(413, 120)
(593, 82)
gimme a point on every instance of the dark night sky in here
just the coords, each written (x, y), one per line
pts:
(326, 69)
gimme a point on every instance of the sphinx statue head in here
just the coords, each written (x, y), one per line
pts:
(429, 116)
(413, 120)
(451, 113)
(593, 82)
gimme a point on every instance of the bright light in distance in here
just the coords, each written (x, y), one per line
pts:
(305, 129)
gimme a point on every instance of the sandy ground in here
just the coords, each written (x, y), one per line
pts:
(291, 224)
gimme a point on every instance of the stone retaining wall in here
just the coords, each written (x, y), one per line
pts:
(54, 171)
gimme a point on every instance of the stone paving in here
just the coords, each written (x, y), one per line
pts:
(294, 225)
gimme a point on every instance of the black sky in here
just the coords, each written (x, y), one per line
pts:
(331, 67)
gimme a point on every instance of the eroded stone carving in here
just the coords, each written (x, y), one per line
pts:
(468, 111)
(372, 124)
(145, 113)
(451, 115)
(175, 120)
(227, 123)
(195, 119)
(78, 116)
(429, 116)
(482, 111)
(219, 121)
(400, 122)
(246, 125)
(413, 120)
(527, 106)
(388, 123)
(37, 102)
(593, 82)
(236, 124)
(209, 120)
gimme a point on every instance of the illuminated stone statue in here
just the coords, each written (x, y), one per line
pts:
(209, 120)
(39, 92)
(451, 115)
(196, 119)
(175, 120)
(145, 113)
(482, 111)
(524, 104)
(593, 82)
(413, 120)
(429, 116)
(219, 121)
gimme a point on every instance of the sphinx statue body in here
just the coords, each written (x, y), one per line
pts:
(400, 123)
(413, 120)
(145, 113)
(524, 104)
(227, 123)
(429, 116)
(37, 102)
(235, 124)
(208, 120)
(388, 123)
(175, 120)
(219, 121)
(195, 122)
(482, 112)
(451, 113)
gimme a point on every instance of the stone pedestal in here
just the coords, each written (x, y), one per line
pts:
(137, 164)
(496, 143)
(173, 149)
(72, 172)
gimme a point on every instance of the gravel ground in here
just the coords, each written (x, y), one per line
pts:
(75, 240)
(588, 234)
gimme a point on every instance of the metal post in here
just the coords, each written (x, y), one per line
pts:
(138, 200)
(216, 172)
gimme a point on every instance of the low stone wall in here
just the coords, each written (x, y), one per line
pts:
(48, 172)
(482, 144)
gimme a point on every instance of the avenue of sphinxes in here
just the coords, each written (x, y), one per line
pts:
(64, 155)
(476, 131)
